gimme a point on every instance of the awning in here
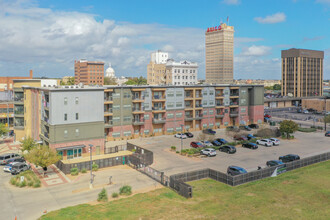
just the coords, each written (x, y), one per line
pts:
(70, 147)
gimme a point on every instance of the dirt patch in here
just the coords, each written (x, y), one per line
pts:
(182, 156)
(287, 182)
(250, 194)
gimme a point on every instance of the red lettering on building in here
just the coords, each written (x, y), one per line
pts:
(216, 28)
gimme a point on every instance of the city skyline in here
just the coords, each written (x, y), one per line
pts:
(48, 36)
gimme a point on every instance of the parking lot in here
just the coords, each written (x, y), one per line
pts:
(304, 144)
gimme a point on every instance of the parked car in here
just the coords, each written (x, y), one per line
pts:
(196, 144)
(17, 168)
(289, 158)
(8, 167)
(207, 143)
(245, 127)
(272, 163)
(232, 128)
(265, 142)
(228, 149)
(209, 131)
(216, 143)
(267, 116)
(299, 110)
(254, 126)
(209, 152)
(189, 135)
(240, 138)
(250, 145)
(5, 157)
(275, 141)
(305, 111)
(327, 134)
(235, 170)
(180, 135)
(221, 140)
(250, 136)
(18, 159)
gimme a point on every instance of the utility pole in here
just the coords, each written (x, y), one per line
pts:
(90, 150)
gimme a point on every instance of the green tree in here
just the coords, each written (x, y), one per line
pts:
(42, 156)
(3, 129)
(326, 120)
(277, 87)
(69, 82)
(28, 144)
(109, 81)
(137, 81)
(288, 127)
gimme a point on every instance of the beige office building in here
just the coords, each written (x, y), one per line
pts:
(302, 72)
(219, 54)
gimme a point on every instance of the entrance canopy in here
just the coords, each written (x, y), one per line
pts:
(70, 147)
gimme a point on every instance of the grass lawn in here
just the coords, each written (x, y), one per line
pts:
(300, 194)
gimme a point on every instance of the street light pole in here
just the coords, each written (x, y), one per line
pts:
(90, 149)
(181, 138)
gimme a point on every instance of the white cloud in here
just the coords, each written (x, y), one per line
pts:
(255, 50)
(231, 2)
(271, 19)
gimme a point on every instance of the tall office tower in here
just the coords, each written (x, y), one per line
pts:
(156, 69)
(219, 54)
(302, 72)
(88, 72)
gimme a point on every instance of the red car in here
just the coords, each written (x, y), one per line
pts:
(267, 116)
(196, 144)
(240, 138)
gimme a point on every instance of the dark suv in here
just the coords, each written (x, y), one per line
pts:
(228, 149)
(255, 126)
(250, 145)
(17, 168)
(272, 163)
(209, 131)
(5, 157)
(234, 170)
(289, 158)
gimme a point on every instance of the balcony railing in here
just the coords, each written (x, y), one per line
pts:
(198, 105)
(199, 95)
(159, 120)
(138, 121)
(19, 112)
(108, 124)
(19, 124)
(158, 108)
(233, 114)
(159, 97)
(188, 118)
(233, 103)
(219, 104)
(138, 109)
(108, 99)
(108, 111)
(234, 94)
(18, 99)
(47, 105)
(219, 115)
(137, 98)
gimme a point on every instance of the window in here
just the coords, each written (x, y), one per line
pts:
(170, 130)
(179, 104)
(204, 103)
(211, 112)
(116, 107)
(211, 125)
(116, 119)
(204, 93)
(211, 93)
(204, 125)
(170, 94)
(116, 95)
(212, 103)
(116, 134)
(65, 117)
(77, 116)
(178, 115)
(187, 127)
(146, 105)
(127, 133)
(65, 133)
(205, 112)
(127, 106)
(65, 100)
(226, 123)
(77, 132)
(178, 129)
(146, 117)
(77, 100)
(146, 132)
(179, 93)
(243, 109)
(170, 115)
(127, 118)
(170, 104)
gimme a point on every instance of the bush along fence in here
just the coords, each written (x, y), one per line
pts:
(177, 181)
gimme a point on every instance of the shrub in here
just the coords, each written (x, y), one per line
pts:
(13, 180)
(22, 184)
(95, 167)
(306, 129)
(84, 171)
(133, 150)
(234, 143)
(17, 183)
(173, 148)
(30, 183)
(283, 136)
(103, 196)
(177, 152)
(125, 190)
(115, 195)
(74, 171)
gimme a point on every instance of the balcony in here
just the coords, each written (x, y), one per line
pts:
(44, 136)
(234, 92)
(19, 113)
(108, 99)
(138, 121)
(158, 98)
(188, 118)
(188, 96)
(138, 99)
(45, 120)
(108, 124)
(158, 108)
(108, 112)
(19, 99)
(188, 106)
(138, 110)
(159, 120)
(199, 106)
(199, 96)
(233, 114)
(19, 125)
(220, 115)
(199, 117)
(219, 105)
(233, 103)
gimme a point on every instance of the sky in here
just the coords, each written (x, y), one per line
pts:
(47, 36)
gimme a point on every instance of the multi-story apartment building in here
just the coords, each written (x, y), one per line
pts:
(164, 71)
(182, 73)
(219, 54)
(89, 72)
(302, 72)
(66, 118)
(131, 112)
